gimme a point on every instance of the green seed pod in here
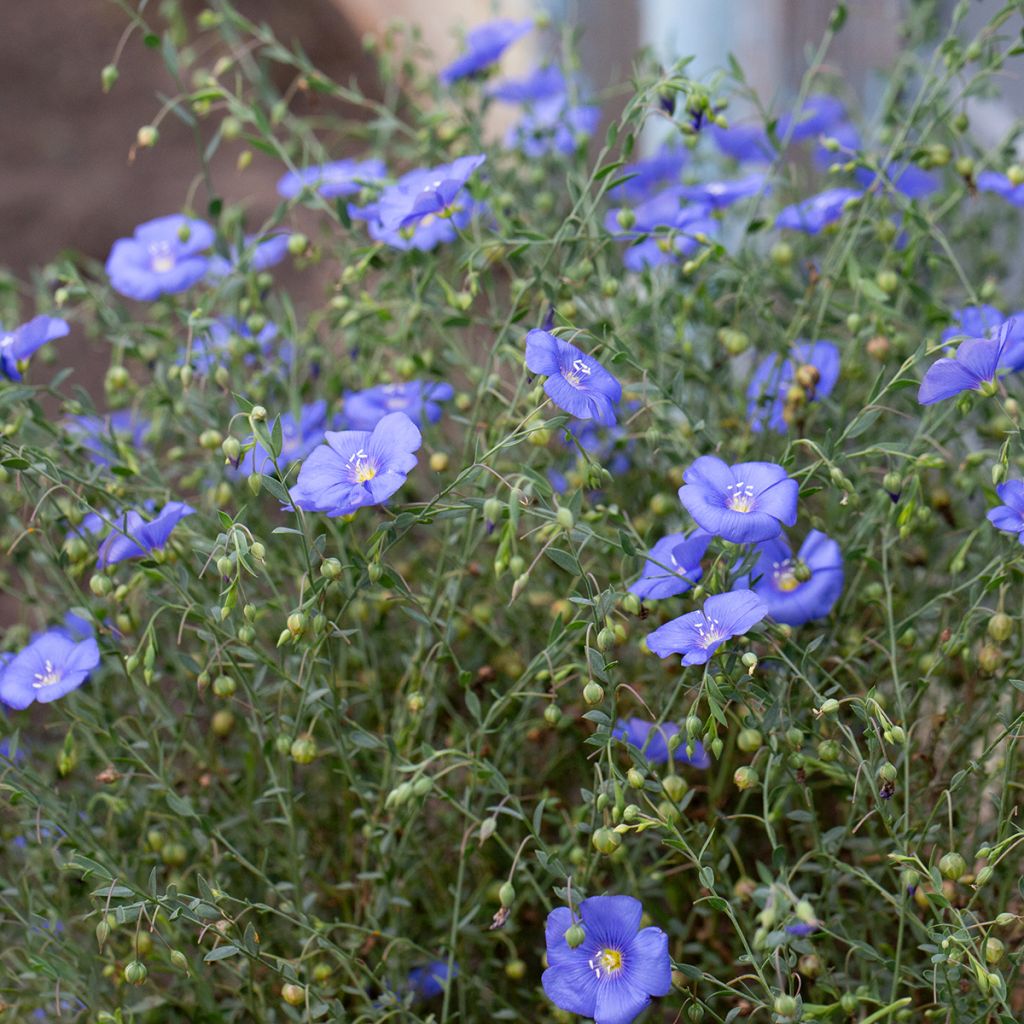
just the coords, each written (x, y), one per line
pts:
(303, 749)
(297, 623)
(785, 1006)
(232, 449)
(745, 777)
(292, 994)
(574, 936)
(1000, 627)
(952, 866)
(635, 778)
(254, 482)
(108, 77)
(225, 566)
(565, 518)
(179, 960)
(102, 932)
(507, 894)
(749, 740)
(887, 772)
(101, 585)
(675, 787)
(224, 686)
(606, 841)
(552, 714)
(695, 1013)
(331, 568)
(1005, 919)
(848, 1003)
(828, 751)
(984, 875)
(136, 973)
(829, 707)
(795, 738)
(605, 639)
(593, 693)
(211, 439)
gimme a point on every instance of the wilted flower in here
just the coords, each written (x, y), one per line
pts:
(52, 665)
(993, 181)
(697, 635)
(975, 367)
(612, 974)
(418, 399)
(672, 566)
(484, 45)
(797, 590)
(356, 467)
(652, 741)
(133, 537)
(20, 342)
(747, 502)
(298, 439)
(1009, 516)
(719, 194)
(575, 382)
(338, 178)
(812, 366)
(162, 257)
(814, 214)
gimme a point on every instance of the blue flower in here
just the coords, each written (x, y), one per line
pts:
(133, 537)
(484, 46)
(719, 194)
(431, 979)
(743, 503)
(18, 344)
(213, 348)
(104, 437)
(802, 929)
(798, 590)
(652, 741)
(813, 365)
(553, 125)
(356, 468)
(298, 439)
(575, 382)
(76, 627)
(697, 635)
(339, 178)
(256, 253)
(814, 214)
(672, 566)
(849, 143)
(992, 181)
(819, 115)
(612, 974)
(540, 84)
(641, 177)
(162, 257)
(1009, 517)
(977, 363)
(974, 322)
(679, 229)
(744, 143)
(907, 178)
(418, 399)
(52, 665)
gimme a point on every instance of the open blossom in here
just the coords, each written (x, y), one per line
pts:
(484, 46)
(103, 437)
(298, 438)
(338, 178)
(911, 180)
(134, 537)
(812, 367)
(642, 177)
(576, 382)
(744, 143)
(975, 367)
(653, 742)
(719, 194)
(162, 257)
(672, 566)
(541, 84)
(797, 590)
(20, 342)
(553, 125)
(431, 979)
(257, 252)
(357, 467)
(419, 400)
(1000, 184)
(613, 973)
(814, 214)
(819, 114)
(747, 502)
(697, 635)
(52, 665)
(1009, 517)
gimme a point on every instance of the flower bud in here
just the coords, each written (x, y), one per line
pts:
(101, 585)
(102, 932)
(565, 518)
(108, 77)
(828, 751)
(749, 740)
(552, 714)
(224, 686)
(1000, 627)
(507, 894)
(254, 482)
(297, 623)
(297, 243)
(675, 787)
(258, 551)
(232, 449)
(179, 960)
(303, 749)
(210, 439)
(785, 1006)
(887, 280)
(829, 707)
(984, 875)
(222, 723)
(257, 414)
(331, 569)
(147, 137)
(605, 639)
(1005, 919)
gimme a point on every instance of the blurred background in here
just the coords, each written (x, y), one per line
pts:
(68, 179)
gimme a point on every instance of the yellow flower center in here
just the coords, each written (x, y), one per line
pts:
(48, 677)
(608, 961)
(786, 582)
(740, 497)
(575, 376)
(362, 468)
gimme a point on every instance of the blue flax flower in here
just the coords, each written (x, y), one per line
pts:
(540, 84)
(642, 177)
(814, 214)
(214, 347)
(430, 980)
(338, 178)
(744, 143)
(820, 114)
(672, 566)
(743, 503)
(162, 257)
(103, 437)
(256, 253)
(973, 322)
(975, 367)
(133, 537)
(358, 467)
(678, 229)
(553, 125)
(418, 399)
(697, 635)
(814, 366)
(993, 181)
(907, 178)
(575, 382)
(797, 590)
(719, 194)
(612, 974)
(52, 665)
(484, 46)
(652, 741)
(298, 439)
(18, 344)
(1009, 516)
